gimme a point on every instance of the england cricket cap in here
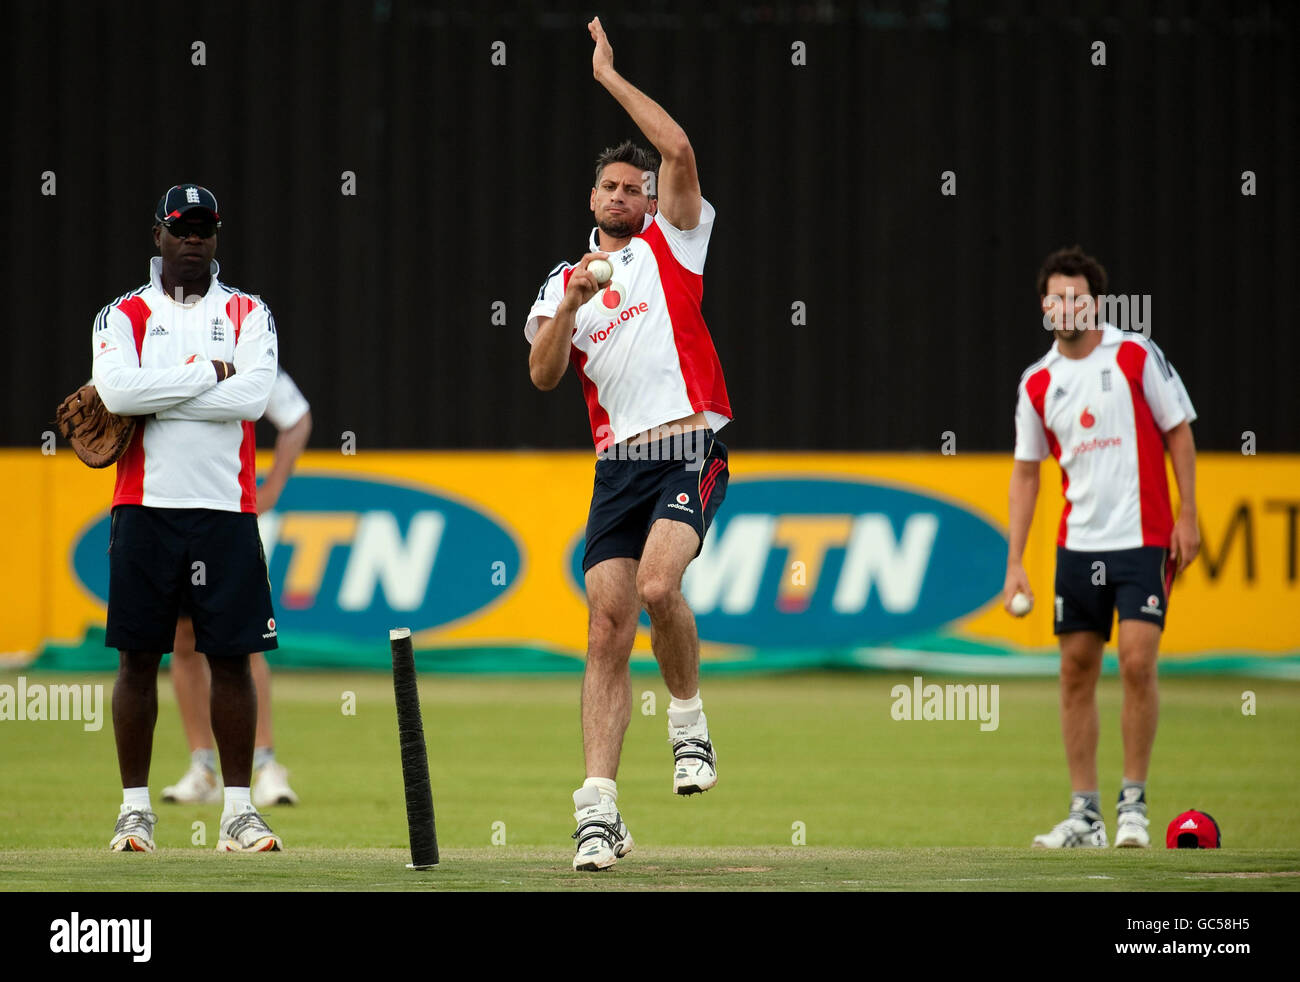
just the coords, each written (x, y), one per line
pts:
(1193, 830)
(183, 198)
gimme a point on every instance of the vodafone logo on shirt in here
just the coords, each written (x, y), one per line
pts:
(612, 296)
(622, 318)
(1096, 443)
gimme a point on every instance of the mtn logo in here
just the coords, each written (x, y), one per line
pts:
(348, 558)
(841, 562)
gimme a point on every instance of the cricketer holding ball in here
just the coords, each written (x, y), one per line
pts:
(601, 270)
(655, 395)
(1106, 404)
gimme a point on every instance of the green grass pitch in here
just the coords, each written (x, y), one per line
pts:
(880, 803)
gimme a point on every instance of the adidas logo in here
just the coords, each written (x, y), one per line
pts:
(158, 329)
(1189, 824)
(1058, 393)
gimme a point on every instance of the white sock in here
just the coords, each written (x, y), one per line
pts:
(136, 799)
(262, 756)
(685, 712)
(205, 756)
(237, 800)
(607, 787)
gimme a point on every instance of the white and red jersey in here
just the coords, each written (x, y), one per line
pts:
(1103, 418)
(287, 404)
(640, 345)
(194, 445)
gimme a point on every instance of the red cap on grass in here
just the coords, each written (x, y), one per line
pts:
(1193, 830)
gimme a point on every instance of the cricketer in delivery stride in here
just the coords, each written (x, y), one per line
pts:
(656, 396)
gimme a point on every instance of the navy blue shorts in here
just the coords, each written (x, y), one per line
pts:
(1091, 586)
(682, 478)
(209, 564)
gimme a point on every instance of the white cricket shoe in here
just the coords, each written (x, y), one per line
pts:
(603, 838)
(247, 831)
(695, 764)
(1082, 830)
(198, 786)
(134, 830)
(1131, 830)
(271, 786)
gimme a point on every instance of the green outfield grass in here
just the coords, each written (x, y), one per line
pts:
(808, 868)
(882, 804)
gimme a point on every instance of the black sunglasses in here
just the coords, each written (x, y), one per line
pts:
(183, 230)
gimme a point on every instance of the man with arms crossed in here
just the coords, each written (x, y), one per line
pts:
(194, 360)
(191, 677)
(1106, 404)
(655, 395)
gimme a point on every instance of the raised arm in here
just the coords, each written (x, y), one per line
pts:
(679, 184)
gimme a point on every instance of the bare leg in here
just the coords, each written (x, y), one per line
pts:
(135, 711)
(1139, 642)
(1080, 667)
(669, 549)
(191, 680)
(234, 717)
(261, 672)
(607, 682)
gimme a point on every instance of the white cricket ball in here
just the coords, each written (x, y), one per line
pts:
(1021, 605)
(601, 269)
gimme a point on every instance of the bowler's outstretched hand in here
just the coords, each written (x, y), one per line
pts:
(603, 56)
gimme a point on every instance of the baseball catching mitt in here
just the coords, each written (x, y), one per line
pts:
(98, 436)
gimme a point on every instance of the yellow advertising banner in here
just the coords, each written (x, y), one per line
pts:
(827, 552)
